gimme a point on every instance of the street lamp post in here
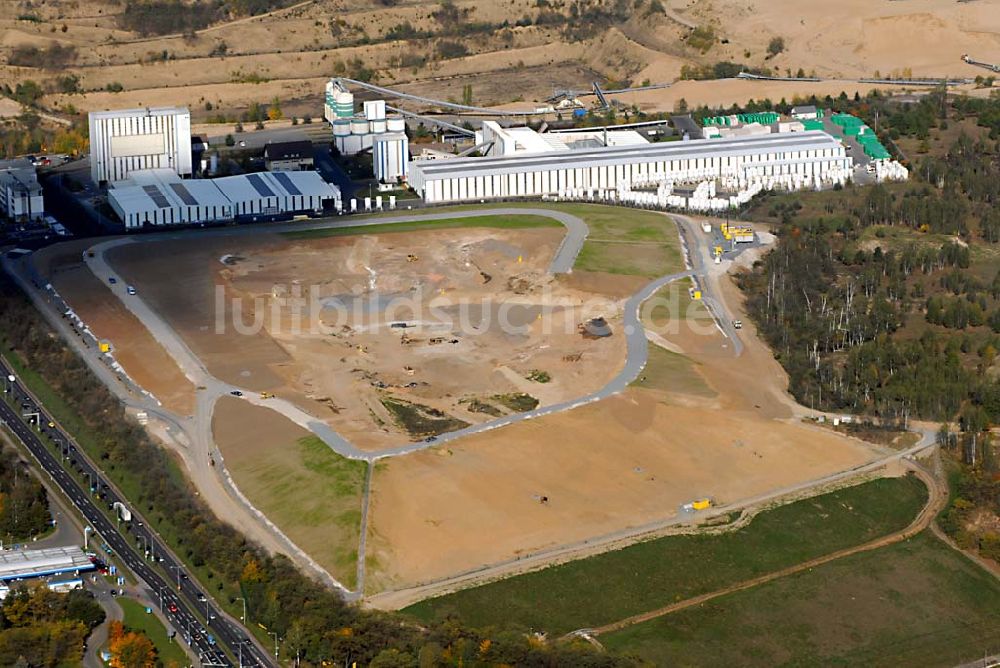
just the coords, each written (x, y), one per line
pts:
(178, 570)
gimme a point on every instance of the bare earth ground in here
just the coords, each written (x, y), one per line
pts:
(313, 495)
(459, 363)
(604, 467)
(698, 424)
(133, 346)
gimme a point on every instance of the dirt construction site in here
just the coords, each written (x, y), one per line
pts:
(398, 337)
(387, 337)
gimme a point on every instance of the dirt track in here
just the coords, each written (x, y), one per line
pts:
(134, 348)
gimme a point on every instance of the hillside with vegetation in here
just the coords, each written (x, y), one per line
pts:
(885, 300)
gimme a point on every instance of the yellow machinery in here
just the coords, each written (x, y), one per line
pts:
(104, 346)
(701, 504)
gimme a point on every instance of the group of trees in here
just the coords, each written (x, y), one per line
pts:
(24, 506)
(130, 648)
(44, 629)
(315, 622)
(27, 134)
(974, 494)
(720, 70)
(55, 56)
(166, 17)
(832, 305)
(870, 320)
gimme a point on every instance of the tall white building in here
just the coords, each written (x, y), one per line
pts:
(129, 140)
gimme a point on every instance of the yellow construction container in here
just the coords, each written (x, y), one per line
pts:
(701, 504)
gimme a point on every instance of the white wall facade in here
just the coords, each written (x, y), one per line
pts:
(125, 141)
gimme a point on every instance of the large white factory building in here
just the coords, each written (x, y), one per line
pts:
(643, 173)
(129, 140)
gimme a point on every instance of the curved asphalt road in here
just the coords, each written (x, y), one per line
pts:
(198, 374)
(200, 425)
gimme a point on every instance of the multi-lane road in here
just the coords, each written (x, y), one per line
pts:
(132, 542)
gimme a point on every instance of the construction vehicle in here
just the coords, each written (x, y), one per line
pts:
(104, 346)
(737, 324)
(697, 504)
(266, 395)
(412, 258)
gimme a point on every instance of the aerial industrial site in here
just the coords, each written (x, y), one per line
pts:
(536, 333)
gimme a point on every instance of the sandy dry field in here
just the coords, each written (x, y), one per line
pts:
(134, 348)
(623, 462)
(344, 362)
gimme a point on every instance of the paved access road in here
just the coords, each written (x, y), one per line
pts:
(173, 589)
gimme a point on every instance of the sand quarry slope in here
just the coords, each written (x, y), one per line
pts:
(290, 53)
(857, 38)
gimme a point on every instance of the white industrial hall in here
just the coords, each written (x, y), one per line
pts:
(792, 160)
(160, 197)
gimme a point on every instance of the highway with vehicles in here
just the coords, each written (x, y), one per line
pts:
(177, 595)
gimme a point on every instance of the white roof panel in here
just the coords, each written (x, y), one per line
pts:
(616, 155)
(15, 564)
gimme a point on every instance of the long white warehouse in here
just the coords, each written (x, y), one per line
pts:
(129, 140)
(795, 158)
(160, 197)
